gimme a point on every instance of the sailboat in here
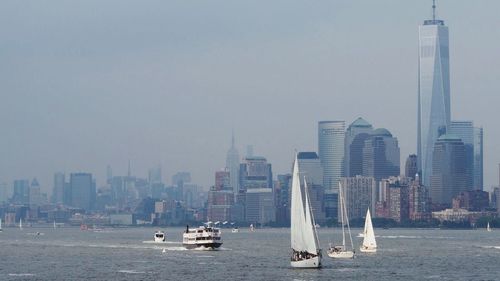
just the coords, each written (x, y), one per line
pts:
(1, 225)
(21, 224)
(488, 228)
(341, 251)
(54, 224)
(304, 240)
(369, 244)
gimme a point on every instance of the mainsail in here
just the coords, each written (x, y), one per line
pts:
(302, 228)
(369, 240)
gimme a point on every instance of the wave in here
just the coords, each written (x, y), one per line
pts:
(154, 242)
(21, 274)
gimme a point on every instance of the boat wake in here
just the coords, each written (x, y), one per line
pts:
(131, 271)
(174, 249)
(21, 274)
(154, 242)
(491, 247)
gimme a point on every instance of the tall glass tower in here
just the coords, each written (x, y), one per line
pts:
(433, 91)
(331, 136)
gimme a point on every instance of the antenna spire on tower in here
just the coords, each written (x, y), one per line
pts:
(433, 9)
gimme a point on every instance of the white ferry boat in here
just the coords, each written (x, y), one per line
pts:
(207, 237)
(160, 236)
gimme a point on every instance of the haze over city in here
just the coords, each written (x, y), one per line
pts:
(89, 84)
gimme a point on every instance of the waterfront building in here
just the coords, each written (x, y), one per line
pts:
(393, 200)
(472, 200)
(359, 194)
(465, 131)
(21, 192)
(282, 198)
(433, 91)
(419, 204)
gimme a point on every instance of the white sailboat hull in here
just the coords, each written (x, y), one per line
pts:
(368, 250)
(341, 255)
(309, 263)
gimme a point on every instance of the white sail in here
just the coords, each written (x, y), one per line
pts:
(487, 227)
(369, 242)
(21, 224)
(0, 224)
(302, 229)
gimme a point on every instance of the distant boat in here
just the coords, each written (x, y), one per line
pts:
(341, 251)
(20, 224)
(369, 244)
(54, 224)
(304, 240)
(160, 236)
(1, 225)
(488, 228)
(203, 237)
(252, 229)
(235, 230)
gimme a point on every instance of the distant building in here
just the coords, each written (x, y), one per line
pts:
(448, 171)
(433, 92)
(3, 193)
(393, 202)
(58, 188)
(259, 206)
(472, 200)
(465, 131)
(83, 191)
(331, 140)
(223, 180)
(355, 137)
(419, 204)
(21, 192)
(381, 155)
(35, 195)
(154, 175)
(311, 170)
(233, 165)
(282, 197)
(478, 183)
(411, 166)
(220, 198)
(359, 195)
(255, 172)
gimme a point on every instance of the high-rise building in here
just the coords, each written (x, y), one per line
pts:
(3, 193)
(83, 191)
(359, 195)
(223, 180)
(58, 189)
(448, 170)
(465, 131)
(433, 91)
(154, 175)
(411, 166)
(282, 195)
(21, 192)
(381, 155)
(220, 198)
(35, 195)
(331, 138)
(419, 205)
(355, 137)
(311, 170)
(233, 165)
(255, 172)
(259, 206)
(478, 159)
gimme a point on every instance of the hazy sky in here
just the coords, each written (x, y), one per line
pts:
(84, 84)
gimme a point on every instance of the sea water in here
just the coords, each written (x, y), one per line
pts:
(121, 254)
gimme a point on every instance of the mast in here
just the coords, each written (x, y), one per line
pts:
(311, 214)
(342, 214)
(433, 10)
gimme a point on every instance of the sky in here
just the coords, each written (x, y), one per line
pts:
(86, 84)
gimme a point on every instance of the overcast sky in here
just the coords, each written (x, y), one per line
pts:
(84, 84)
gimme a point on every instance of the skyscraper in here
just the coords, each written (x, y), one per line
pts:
(381, 155)
(477, 181)
(448, 170)
(411, 166)
(311, 170)
(255, 172)
(233, 165)
(58, 189)
(433, 91)
(331, 137)
(355, 137)
(83, 191)
(465, 131)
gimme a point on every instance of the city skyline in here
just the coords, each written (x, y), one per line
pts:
(58, 115)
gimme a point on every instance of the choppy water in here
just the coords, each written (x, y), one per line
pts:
(121, 254)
